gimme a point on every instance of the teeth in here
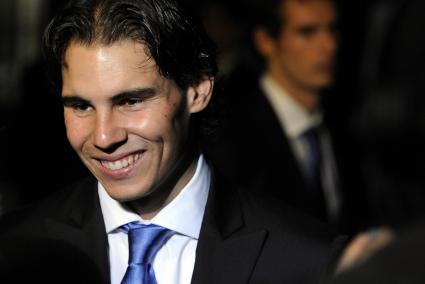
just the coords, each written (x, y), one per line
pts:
(123, 163)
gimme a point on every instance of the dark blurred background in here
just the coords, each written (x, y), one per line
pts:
(376, 102)
(35, 157)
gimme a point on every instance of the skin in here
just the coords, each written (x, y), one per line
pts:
(363, 246)
(301, 58)
(118, 107)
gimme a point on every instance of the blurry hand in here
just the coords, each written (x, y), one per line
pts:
(363, 246)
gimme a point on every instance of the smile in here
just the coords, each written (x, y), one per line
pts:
(122, 163)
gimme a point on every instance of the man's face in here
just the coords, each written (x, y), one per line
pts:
(127, 123)
(303, 53)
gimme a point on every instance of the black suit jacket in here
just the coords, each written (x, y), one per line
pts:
(254, 150)
(243, 239)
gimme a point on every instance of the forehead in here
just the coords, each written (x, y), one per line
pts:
(110, 68)
(109, 55)
(308, 12)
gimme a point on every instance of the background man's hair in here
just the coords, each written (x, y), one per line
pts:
(270, 15)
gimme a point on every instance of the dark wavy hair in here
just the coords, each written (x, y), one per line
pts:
(174, 39)
(269, 14)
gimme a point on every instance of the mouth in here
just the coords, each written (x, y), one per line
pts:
(122, 163)
(120, 167)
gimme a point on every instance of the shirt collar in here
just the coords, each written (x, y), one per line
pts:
(183, 214)
(295, 119)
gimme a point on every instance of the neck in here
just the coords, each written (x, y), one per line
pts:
(307, 97)
(149, 208)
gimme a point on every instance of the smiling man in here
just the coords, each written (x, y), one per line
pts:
(129, 124)
(136, 79)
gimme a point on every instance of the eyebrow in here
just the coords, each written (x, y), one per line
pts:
(72, 100)
(143, 93)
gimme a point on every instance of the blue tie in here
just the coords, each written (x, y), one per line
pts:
(144, 242)
(312, 167)
(312, 173)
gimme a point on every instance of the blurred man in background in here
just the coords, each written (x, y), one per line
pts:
(276, 139)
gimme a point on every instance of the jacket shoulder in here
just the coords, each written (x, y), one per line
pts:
(55, 205)
(297, 248)
(306, 247)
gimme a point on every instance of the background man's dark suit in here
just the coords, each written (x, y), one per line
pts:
(254, 151)
(240, 242)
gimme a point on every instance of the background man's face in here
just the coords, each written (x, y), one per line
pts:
(126, 122)
(304, 51)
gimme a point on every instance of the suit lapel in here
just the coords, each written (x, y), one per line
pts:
(280, 155)
(81, 224)
(227, 250)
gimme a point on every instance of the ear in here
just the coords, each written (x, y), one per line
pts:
(264, 43)
(199, 96)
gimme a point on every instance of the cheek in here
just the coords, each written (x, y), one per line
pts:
(77, 131)
(298, 59)
(151, 126)
(159, 123)
(287, 53)
(290, 61)
(297, 49)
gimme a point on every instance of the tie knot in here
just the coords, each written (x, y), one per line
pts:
(311, 133)
(145, 241)
(312, 159)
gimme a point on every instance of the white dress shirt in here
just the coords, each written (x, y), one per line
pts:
(175, 261)
(295, 121)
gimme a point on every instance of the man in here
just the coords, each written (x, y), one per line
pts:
(136, 78)
(276, 141)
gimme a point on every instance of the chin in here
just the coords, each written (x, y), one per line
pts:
(323, 82)
(125, 193)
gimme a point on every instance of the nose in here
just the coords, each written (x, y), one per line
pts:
(109, 133)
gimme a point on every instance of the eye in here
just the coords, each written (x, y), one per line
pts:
(308, 31)
(131, 102)
(134, 99)
(77, 105)
(81, 107)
